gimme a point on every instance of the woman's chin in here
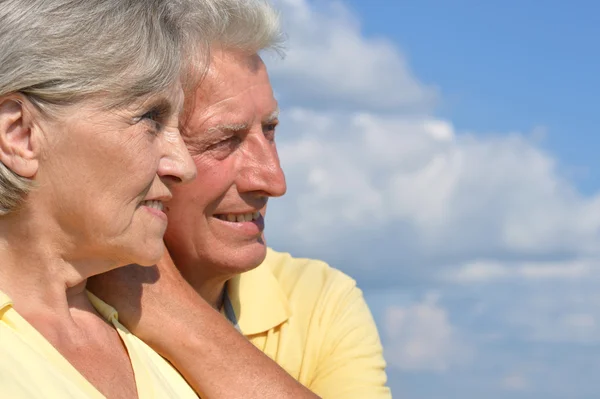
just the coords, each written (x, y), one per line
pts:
(149, 255)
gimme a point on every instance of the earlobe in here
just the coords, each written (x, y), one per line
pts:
(17, 147)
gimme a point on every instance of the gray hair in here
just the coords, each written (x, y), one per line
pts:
(246, 25)
(60, 52)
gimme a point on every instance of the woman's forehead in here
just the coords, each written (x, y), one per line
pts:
(170, 99)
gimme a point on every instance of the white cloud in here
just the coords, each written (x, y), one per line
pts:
(331, 62)
(485, 271)
(551, 308)
(456, 193)
(558, 314)
(421, 338)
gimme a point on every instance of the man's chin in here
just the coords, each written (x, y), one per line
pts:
(245, 259)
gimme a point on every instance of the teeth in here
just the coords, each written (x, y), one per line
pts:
(154, 204)
(236, 217)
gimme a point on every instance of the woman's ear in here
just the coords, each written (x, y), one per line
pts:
(18, 149)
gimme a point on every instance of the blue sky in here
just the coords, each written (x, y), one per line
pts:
(443, 155)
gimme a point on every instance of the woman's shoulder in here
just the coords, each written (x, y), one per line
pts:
(26, 370)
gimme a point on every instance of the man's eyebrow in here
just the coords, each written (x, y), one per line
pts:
(229, 127)
(240, 127)
(273, 116)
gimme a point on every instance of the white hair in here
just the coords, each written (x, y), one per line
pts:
(58, 53)
(246, 25)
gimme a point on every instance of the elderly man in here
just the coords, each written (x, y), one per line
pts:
(309, 318)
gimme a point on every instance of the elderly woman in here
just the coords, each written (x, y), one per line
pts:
(90, 96)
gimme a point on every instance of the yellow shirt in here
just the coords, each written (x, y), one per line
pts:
(313, 321)
(31, 368)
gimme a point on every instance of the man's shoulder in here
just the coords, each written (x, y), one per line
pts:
(306, 277)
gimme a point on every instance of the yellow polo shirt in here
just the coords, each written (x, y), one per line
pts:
(31, 368)
(313, 321)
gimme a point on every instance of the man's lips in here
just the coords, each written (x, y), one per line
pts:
(251, 224)
(239, 217)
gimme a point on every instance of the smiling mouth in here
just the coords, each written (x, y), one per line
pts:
(239, 217)
(154, 204)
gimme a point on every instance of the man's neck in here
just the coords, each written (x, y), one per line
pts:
(212, 290)
(202, 278)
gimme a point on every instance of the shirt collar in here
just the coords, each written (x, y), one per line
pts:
(5, 301)
(258, 300)
(107, 311)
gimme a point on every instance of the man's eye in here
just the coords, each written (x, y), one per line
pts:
(269, 131)
(229, 143)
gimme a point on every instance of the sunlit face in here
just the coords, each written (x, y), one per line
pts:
(217, 221)
(104, 174)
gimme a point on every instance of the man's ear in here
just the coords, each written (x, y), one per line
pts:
(18, 147)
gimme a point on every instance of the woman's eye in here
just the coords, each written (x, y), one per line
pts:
(152, 114)
(154, 119)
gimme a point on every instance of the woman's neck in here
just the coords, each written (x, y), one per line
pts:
(46, 280)
(36, 272)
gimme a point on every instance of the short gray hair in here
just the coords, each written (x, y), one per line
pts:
(60, 52)
(246, 25)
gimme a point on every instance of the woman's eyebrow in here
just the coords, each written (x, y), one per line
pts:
(168, 105)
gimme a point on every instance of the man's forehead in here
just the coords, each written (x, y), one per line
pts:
(235, 59)
(227, 117)
(235, 90)
(231, 71)
(246, 105)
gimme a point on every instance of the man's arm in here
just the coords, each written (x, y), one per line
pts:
(162, 309)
